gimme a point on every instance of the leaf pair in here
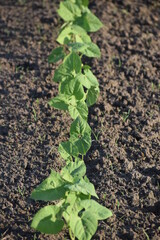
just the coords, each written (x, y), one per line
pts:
(88, 49)
(70, 67)
(73, 11)
(73, 33)
(81, 215)
(79, 212)
(85, 226)
(79, 142)
(72, 83)
(76, 108)
(70, 179)
(89, 81)
(88, 21)
(69, 11)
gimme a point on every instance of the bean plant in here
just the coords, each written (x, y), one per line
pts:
(72, 196)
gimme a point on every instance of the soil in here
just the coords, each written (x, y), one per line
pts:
(123, 161)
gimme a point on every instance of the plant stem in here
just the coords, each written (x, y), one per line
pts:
(82, 157)
(70, 234)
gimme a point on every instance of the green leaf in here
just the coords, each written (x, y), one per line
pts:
(77, 47)
(47, 221)
(78, 109)
(73, 206)
(79, 127)
(69, 68)
(68, 11)
(83, 80)
(73, 31)
(72, 87)
(80, 34)
(73, 171)
(81, 2)
(59, 102)
(86, 67)
(83, 227)
(88, 49)
(84, 143)
(89, 22)
(52, 188)
(83, 187)
(81, 135)
(91, 78)
(92, 50)
(95, 208)
(92, 96)
(68, 150)
(87, 79)
(56, 55)
(85, 3)
(65, 35)
(72, 63)
(61, 74)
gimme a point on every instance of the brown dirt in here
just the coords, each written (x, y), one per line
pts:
(123, 162)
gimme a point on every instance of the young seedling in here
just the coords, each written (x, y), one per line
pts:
(75, 210)
(21, 191)
(125, 115)
(78, 89)
(34, 114)
(146, 235)
(96, 135)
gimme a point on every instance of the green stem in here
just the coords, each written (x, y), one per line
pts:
(70, 234)
(82, 157)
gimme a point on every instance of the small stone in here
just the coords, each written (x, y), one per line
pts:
(135, 200)
(128, 165)
(39, 90)
(151, 195)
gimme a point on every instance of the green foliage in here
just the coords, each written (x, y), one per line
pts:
(78, 89)
(74, 171)
(87, 79)
(85, 2)
(56, 55)
(72, 87)
(92, 96)
(48, 220)
(88, 49)
(69, 68)
(52, 188)
(99, 211)
(81, 2)
(84, 227)
(91, 79)
(59, 102)
(75, 204)
(75, 108)
(72, 63)
(89, 22)
(80, 135)
(72, 11)
(78, 108)
(73, 32)
(82, 186)
(67, 150)
(68, 11)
